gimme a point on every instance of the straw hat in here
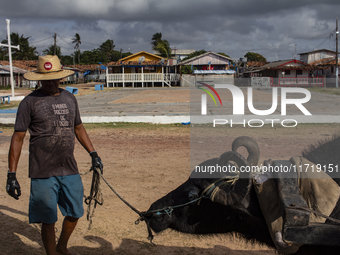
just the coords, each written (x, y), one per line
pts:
(49, 68)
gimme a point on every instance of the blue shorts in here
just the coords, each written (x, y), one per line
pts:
(65, 191)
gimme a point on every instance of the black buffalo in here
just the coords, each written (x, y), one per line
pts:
(235, 207)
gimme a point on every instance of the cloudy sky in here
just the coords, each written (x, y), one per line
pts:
(273, 28)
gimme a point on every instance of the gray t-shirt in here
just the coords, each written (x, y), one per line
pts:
(51, 121)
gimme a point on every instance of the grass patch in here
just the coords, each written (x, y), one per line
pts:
(10, 105)
(6, 126)
(330, 91)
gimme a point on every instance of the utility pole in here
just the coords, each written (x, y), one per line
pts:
(55, 43)
(336, 56)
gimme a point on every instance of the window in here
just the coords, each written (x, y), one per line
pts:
(287, 72)
(298, 72)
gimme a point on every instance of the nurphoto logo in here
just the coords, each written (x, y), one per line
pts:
(238, 104)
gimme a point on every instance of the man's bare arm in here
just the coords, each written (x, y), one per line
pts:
(83, 138)
(15, 150)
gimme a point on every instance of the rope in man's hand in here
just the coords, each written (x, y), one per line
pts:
(96, 196)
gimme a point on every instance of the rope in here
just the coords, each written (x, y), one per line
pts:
(208, 192)
(313, 211)
(95, 198)
(212, 189)
(141, 216)
(128, 204)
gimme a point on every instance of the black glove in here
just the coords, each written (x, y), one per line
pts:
(96, 161)
(13, 185)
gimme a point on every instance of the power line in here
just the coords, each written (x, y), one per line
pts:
(48, 38)
(95, 44)
(62, 38)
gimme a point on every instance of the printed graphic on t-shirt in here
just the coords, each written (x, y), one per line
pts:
(61, 110)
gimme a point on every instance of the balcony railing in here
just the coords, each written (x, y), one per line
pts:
(145, 77)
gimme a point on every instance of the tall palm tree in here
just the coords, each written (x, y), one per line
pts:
(77, 41)
(163, 47)
(155, 39)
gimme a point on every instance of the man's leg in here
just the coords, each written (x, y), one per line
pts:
(68, 226)
(71, 206)
(43, 208)
(48, 238)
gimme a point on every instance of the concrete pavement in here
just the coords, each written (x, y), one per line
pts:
(173, 105)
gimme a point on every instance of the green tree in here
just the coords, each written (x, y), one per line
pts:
(155, 39)
(107, 48)
(50, 51)
(195, 54)
(161, 45)
(66, 60)
(252, 56)
(2, 54)
(223, 54)
(93, 57)
(77, 41)
(125, 54)
(25, 52)
(186, 69)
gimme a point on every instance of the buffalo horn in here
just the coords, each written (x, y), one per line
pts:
(251, 146)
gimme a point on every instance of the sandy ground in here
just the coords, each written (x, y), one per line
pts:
(143, 163)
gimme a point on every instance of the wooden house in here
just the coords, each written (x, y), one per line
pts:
(287, 73)
(316, 55)
(209, 61)
(140, 69)
(86, 73)
(19, 68)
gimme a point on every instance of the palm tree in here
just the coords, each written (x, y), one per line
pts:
(25, 52)
(155, 39)
(77, 41)
(50, 51)
(107, 48)
(163, 47)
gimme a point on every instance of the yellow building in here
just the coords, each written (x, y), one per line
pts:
(140, 69)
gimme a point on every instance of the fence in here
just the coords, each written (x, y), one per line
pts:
(95, 77)
(195, 80)
(261, 82)
(18, 82)
(298, 82)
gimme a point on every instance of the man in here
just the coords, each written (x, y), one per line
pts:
(52, 116)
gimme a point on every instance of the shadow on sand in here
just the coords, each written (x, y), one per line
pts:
(18, 237)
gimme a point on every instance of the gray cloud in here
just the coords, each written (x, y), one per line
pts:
(271, 28)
